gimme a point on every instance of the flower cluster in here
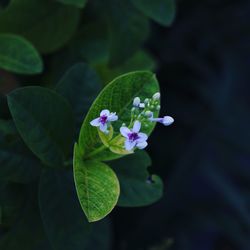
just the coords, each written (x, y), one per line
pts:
(142, 114)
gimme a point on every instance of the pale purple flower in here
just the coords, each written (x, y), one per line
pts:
(166, 120)
(104, 120)
(134, 138)
(137, 103)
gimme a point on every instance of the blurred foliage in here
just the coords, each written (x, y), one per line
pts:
(202, 62)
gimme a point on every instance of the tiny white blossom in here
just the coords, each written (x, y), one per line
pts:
(142, 105)
(156, 96)
(104, 120)
(166, 120)
(136, 101)
(134, 138)
(149, 113)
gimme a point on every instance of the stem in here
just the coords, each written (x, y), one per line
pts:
(96, 151)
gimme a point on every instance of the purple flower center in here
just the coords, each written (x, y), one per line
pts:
(103, 119)
(133, 136)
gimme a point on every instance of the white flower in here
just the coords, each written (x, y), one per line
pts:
(136, 101)
(166, 120)
(104, 120)
(133, 137)
(156, 96)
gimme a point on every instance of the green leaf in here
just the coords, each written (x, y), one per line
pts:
(161, 11)
(105, 138)
(28, 231)
(136, 188)
(63, 218)
(77, 3)
(12, 200)
(128, 30)
(97, 187)
(139, 61)
(18, 55)
(45, 121)
(17, 167)
(80, 85)
(47, 24)
(101, 236)
(117, 96)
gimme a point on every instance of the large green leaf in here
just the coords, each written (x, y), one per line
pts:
(128, 30)
(77, 3)
(80, 85)
(17, 167)
(117, 96)
(101, 236)
(97, 187)
(47, 24)
(137, 189)
(45, 121)
(18, 55)
(161, 11)
(63, 218)
(28, 231)
(139, 61)
(12, 199)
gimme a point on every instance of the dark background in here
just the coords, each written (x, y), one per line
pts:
(203, 68)
(203, 65)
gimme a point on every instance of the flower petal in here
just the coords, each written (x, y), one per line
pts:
(142, 145)
(112, 117)
(125, 131)
(136, 127)
(142, 137)
(167, 120)
(129, 145)
(103, 128)
(95, 122)
(105, 112)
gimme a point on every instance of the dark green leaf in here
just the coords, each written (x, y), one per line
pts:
(28, 232)
(101, 236)
(47, 24)
(80, 85)
(139, 61)
(77, 3)
(18, 55)
(117, 96)
(128, 30)
(97, 187)
(17, 167)
(12, 199)
(161, 11)
(64, 221)
(45, 121)
(137, 187)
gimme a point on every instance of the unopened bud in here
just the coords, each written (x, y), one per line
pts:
(149, 113)
(136, 101)
(142, 105)
(156, 96)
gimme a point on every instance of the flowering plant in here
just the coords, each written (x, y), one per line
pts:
(116, 125)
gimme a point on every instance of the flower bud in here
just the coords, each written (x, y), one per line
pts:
(142, 105)
(146, 101)
(149, 113)
(167, 120)
(156, 96)
(158, 107)
(136, 101)
(133, 110)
